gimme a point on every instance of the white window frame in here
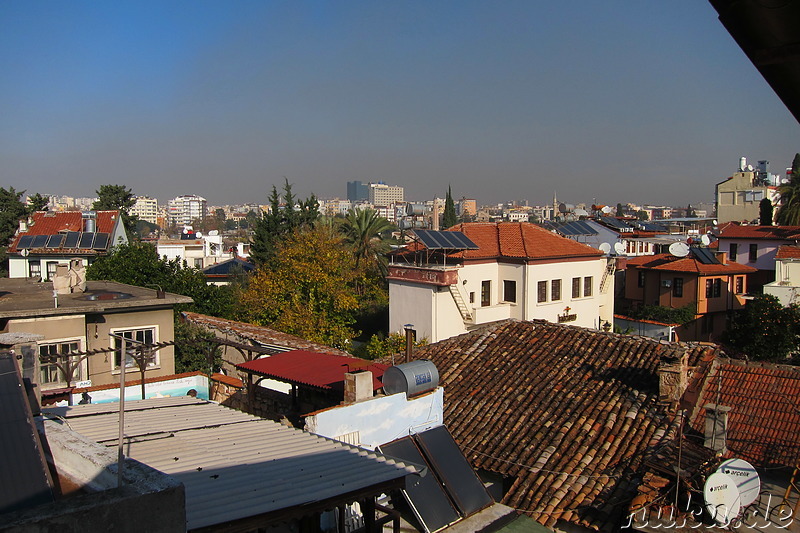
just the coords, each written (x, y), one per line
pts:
(128, 367)
(82, 370)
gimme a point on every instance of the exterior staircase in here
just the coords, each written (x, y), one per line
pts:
(611, 267)
(463, 308)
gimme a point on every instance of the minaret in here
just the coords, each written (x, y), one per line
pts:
(555, 206)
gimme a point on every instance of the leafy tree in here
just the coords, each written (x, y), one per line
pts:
(669, 315)
(642, 215)
(138, 264)
(37, 202)
(449, 218)
(765, 212)
(308, 289)
(193, 349)
(281, 221)
(764, 329)
(381, 346)
(363, 229)
(620, 211)
(789, 210)
(112, 197)
(12, 209)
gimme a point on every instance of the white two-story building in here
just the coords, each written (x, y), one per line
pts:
(447, 283)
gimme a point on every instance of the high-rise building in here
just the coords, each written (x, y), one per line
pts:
(357, 191)
(183, 210)
(146, 209)
(381, 194)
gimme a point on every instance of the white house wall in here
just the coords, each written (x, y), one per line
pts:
(412, 304)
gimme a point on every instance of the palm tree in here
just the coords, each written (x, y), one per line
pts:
(363, 229)
(789, 210)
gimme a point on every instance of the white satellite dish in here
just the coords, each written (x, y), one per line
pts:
(607, 209)
(713, 222)
(722, 498)
(213, 233)
(605, 247)
(745, 477)
(679, 249)
(198, 235)
(24, 252)
(619, 248)
(706, 240)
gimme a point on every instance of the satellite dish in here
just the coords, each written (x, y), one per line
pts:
(605, 247)
(706, 240)
(722, 498)
(213, 233)
(713, 222)
(745, 477)
(619, 248)
(607, 209)
(198, 235)
(679, 249)
(24, 252)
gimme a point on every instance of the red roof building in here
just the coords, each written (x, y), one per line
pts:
(703, 279)
(756, 246)
(49, 238)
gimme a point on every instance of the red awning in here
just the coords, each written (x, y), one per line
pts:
(301, 367)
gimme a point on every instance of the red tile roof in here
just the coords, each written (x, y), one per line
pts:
(734, 230)
(55, 222)
(567, 414)
(260, 334)
(764, 420)
(520, 240)
(324, 371)
(788, 252)
(670, 263)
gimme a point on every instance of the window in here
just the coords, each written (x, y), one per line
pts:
(51, 271)
(509, 290)
(739, 284)
(486, 289)
(472, 297)
(555, 290)
(713, 288)
(587, 286)
(576, 287)
(640, 282)
(677, 287)
(49, 373)
(753, 253)
(34, 269)
(198, 263)
(138, 338)
(733, 251)
(541, 292)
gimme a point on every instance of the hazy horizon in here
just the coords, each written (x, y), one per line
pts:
(616, 101)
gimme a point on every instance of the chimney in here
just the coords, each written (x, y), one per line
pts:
(23, 226)
(722, 257)
(716, 427)
(410, 334)
(357, 386)
(672, 382)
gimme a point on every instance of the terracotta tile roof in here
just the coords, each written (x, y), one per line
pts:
(321, 370)
(520, 240)
(54, 222)
(734, 230)
(788, 252)
(250, 332)
(567, 413)
(764, 420)
(670, 263)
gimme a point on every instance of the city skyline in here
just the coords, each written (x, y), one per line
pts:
(622, 101)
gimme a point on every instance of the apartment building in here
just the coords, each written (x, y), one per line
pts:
(183, 210)
(146, 209)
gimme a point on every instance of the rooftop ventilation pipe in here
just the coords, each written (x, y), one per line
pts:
(409, 328)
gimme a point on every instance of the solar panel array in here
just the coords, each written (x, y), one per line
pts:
(576, 227)
(445, 240)
(451, 489)
(71, 240)
(650, 226)
(705, 256)
(614, 223)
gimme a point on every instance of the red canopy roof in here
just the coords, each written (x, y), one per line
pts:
(321, 370)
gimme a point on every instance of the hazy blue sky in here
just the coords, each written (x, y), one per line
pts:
(641, 101)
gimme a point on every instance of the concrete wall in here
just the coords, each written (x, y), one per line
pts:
(379, 420)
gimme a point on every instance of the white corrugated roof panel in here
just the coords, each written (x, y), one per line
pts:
(232, 464)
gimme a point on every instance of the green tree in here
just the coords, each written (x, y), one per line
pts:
(642, 215)
(307, 290)
(764, 329)
(381, 346)
(620, 211)
(273, 227)
(789, 210)
(364, 230)
(449, 218)
(113, 197)
(12, 209)
(690, 212)
(765, 212)
(668, 315)
(37, 202)
(194, 349)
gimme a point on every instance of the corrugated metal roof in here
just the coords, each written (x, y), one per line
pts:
(234, 465)
(321, 370)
